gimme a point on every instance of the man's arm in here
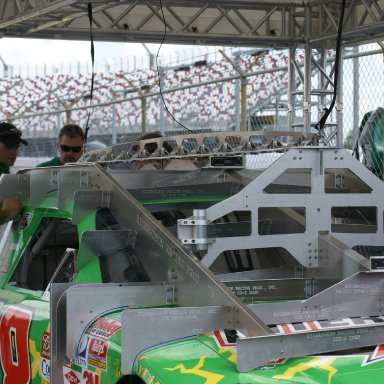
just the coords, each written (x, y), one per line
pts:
(9, 210)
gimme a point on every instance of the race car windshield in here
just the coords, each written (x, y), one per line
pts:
(44, 253)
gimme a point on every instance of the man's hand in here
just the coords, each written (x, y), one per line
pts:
(9, 210)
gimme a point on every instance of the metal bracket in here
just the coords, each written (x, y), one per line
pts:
(310, 288)
(85, 302)
(96, 243)
(359, 296)
(85, 202)
(16, 186)
(193, 231)
(256, 351)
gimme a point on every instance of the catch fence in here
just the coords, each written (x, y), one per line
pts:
(245, 90)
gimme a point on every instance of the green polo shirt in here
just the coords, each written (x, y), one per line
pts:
(50, 163)
(4, 169)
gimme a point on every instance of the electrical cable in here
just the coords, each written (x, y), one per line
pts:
(158, 73)
(93, 71)
(319, 126)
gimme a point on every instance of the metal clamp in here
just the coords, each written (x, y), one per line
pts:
(193, 231)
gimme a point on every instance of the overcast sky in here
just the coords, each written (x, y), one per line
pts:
(18, 51)
(36, 51)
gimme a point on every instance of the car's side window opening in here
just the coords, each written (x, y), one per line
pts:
(44, 253)
(118, 264)
(65, 272)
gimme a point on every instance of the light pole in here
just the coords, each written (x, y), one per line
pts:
(243, 92)
(151, 56)
(6, 67)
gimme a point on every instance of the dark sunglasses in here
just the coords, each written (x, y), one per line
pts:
(67, 148)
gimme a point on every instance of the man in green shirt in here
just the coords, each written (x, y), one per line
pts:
(69, 146)
(10, 139)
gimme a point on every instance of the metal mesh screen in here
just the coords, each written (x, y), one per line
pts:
(363, 105)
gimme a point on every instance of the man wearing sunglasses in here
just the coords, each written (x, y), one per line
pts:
(10, 140)
(69, 147)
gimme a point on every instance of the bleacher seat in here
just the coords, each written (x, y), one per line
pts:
(201, 105)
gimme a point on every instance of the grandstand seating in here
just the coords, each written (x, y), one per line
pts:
(32, 103)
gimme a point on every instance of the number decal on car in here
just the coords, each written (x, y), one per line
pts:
(14, 329)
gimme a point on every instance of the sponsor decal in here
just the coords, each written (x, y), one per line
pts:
(97, 363)
(97, 353)
(376, 356)
(25, 220)
(71, 376)
(221, 339)
(104, 328)
(226, 348)
(81, 359)
(45, 357)
(46, 345)
(45, 368)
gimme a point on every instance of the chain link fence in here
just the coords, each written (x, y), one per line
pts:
(363, 105)
(245, 89)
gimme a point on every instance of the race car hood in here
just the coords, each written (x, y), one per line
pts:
(211, 358)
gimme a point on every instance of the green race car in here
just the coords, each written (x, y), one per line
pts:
(94, 289)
